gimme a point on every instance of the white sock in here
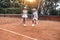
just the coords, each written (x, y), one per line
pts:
(33, 24)
(24, 24)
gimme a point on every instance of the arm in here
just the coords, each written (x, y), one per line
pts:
(38, 5)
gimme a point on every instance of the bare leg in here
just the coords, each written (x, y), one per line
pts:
(33, 22)
(24, 21)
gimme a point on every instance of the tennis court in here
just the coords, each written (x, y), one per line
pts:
(13, 29)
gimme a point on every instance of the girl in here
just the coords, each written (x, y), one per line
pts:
(24, 16)
(35, 16)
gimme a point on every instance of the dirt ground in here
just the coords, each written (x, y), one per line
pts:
(13, 29)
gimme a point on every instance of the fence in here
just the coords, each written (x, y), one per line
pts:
(41, 17)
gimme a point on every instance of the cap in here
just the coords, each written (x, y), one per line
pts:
(34, 9)
(25, 7)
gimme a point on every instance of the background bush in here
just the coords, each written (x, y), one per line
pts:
(10, 11)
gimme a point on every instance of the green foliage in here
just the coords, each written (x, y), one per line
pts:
(29, 10)
(11, 10)
(6, 7)
(53, 12)
(4, 4)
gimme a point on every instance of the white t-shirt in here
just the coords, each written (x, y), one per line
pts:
(25, 14)
(35, 14)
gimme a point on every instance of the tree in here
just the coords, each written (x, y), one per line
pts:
(4, 3)
(49, 4)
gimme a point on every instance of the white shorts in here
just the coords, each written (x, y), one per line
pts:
(35, 18)
(24, 16)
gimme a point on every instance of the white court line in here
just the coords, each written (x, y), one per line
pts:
(18, 34)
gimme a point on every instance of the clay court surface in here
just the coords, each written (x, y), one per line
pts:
(12, 29)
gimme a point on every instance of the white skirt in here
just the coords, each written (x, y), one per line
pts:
(35, 18)
(24, 16)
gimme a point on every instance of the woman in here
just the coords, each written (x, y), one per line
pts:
(35, 16)
(25, 15)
